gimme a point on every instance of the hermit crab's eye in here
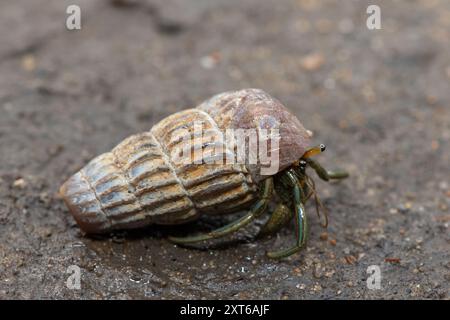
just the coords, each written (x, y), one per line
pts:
(302, 166)
(322, 147)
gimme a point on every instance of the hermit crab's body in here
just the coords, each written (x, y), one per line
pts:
(142, 180)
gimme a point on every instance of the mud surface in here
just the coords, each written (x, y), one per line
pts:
(379, 99)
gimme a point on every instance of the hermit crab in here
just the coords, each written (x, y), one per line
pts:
(190, 165)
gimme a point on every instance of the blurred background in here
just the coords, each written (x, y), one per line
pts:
(379, 100)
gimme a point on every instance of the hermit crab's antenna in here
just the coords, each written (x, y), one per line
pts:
(319, 206)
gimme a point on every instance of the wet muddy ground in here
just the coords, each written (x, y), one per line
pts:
(379, 99)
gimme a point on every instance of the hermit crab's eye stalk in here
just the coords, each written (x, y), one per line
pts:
(313, 151)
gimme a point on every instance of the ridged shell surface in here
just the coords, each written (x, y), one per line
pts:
(141, 181)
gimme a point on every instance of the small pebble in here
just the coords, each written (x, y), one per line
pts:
(402, 208)
(210, 61)
(434, 145)
(28, 63)
(20, 183)
(393, 211)
(330, 273)
(318, 272)
(443, 185)
(350, 259)
(431, 100)
(324, 236)
(392, 260)
(317, 287)
(312, 61)
(44, 232)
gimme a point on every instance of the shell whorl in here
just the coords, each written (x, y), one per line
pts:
(139, 182)
(255, 109)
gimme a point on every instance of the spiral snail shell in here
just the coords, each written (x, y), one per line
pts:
(139, 182)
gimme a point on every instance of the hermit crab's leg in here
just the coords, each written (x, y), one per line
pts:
(325, 174)
(257, 209)
(279, 218)
(300, 219)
